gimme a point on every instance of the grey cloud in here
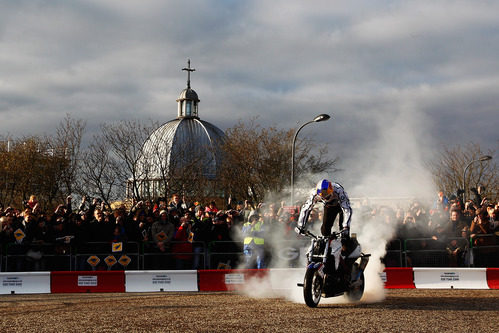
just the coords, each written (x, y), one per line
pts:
(365, 63)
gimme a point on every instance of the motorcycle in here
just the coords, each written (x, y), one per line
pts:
(333, 270)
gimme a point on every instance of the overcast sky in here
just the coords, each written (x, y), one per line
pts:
(399, 76)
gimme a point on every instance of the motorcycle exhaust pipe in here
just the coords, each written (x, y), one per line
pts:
(364, 259)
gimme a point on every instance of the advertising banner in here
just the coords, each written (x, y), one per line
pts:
(25, 283)
(445, 278)
(147, 281)
(88, 282)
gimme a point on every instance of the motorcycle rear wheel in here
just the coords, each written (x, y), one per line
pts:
(312, 287)
(356, 290)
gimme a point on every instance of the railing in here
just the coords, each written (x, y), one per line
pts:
(106, 255)
(485, 250)
(224, 254)
(393, 256)
(425, 252)
(174, 256)
(481, 251)
(37, 257)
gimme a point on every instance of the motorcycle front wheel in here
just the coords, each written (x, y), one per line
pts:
(312, 287)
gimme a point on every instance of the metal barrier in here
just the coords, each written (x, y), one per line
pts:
(393, 256)
(426, 258)
(153, 258)
(425, 252)
(429, 252)
(486, 256)
(226, 260)
(485, 249)
(418, 252)
(37, 257)
(224, 254)
(98, 255)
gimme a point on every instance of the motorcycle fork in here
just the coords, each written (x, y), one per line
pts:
(346, 269)
(328, 260)
(326, 251)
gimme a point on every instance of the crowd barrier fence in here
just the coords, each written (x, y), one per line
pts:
(420, 252)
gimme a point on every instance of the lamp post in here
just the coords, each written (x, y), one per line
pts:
(321, 117)
(480, 159)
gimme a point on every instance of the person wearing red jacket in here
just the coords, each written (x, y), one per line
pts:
(182, 246)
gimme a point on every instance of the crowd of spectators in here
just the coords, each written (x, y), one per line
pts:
(182, 231)
(177, 234)
(466, 233)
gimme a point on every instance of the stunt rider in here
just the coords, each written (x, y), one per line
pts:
(336, 202)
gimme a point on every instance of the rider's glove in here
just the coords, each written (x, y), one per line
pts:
(345, 233)
(345, 237)
(300, 231)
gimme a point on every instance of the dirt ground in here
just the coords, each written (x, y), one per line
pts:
(402, 311)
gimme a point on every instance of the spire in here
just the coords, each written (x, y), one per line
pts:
(189, 70)
(188, 99)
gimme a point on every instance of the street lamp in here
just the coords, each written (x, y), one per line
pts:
(321, 117)
(480, 159)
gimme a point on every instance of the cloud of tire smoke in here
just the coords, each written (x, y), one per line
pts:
(388, 169)
(393, 167)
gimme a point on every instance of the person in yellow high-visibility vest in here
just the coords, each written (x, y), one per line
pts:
(253, 232)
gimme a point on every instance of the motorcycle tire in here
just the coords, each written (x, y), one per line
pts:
(312, 287)
(356, 289)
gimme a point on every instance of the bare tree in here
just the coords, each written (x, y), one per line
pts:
(256, 160)
(448, 170)
(99, 172)
(125, 139)
(67, 144)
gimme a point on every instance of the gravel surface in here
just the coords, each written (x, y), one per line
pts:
(403, 310)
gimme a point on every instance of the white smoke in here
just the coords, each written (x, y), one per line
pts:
(392, 166)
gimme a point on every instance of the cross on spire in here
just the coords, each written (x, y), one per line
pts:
(189, 70)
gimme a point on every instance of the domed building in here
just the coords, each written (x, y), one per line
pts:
(181, 154)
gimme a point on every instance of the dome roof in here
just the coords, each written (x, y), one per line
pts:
(181, 143)
(189, 94)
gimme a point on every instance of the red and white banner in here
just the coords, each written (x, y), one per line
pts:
(399, 278)
(493, 278)
(228, 280)
(88, 282)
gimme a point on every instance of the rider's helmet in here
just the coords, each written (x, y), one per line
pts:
(324, 188)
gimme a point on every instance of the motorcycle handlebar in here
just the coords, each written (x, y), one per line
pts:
(309, 234)
(333, 235)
